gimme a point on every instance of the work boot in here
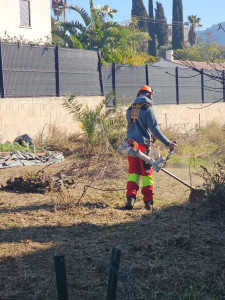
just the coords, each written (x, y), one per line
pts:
(130, 202)
(148, 204)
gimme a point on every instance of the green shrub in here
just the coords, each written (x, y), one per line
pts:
(11, 147)
(100, 125)
(214, 184)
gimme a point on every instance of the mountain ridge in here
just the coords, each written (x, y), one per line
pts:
(215, 33)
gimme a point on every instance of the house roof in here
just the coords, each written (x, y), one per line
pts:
(201, 65)
(189, 64)
(167, 64)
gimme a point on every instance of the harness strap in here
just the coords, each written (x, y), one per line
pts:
(135, 111)
(135, 107)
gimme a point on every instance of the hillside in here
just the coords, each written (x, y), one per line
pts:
(213, 34)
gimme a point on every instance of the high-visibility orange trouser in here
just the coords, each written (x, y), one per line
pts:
(136, 169)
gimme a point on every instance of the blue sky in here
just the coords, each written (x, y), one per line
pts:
(211, 12)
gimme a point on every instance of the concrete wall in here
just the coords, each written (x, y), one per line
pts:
(31, 115)
(185, 117)
(40, 15)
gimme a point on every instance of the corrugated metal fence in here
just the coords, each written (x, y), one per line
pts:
(37, 71)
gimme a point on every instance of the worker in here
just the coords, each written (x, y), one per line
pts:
(141, 126)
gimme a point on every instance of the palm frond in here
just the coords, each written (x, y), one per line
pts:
(83, 13)
(61, 34)
(73, 107)
(68, 26)
(77, 44)
(79, 26)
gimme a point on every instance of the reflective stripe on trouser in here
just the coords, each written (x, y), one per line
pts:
(136, 168)
(147, 188)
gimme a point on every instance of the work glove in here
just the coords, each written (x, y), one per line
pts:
(173, 146)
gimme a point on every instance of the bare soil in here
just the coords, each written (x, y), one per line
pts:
(174, 252)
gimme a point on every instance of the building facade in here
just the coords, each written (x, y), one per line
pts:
(27, 20)
(186, 31)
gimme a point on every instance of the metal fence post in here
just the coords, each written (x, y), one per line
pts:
(202, 86)
(57, 71)
(113, 278)
(61, 282)
(114, 82)
(177, 86)
(100, 73)
(146, 74)
(1, 73)
(223, 86)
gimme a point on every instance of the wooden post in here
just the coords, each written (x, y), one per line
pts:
(113, 278)
(61, 282)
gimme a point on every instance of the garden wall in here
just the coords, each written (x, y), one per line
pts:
(32, 115)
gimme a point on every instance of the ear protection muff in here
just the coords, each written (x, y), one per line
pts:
(147, 94)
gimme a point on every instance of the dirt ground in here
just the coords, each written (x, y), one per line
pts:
(174, 252)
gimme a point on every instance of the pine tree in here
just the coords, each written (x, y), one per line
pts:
(161, 27)
(151, 30)
(139, 11)
(177, 25)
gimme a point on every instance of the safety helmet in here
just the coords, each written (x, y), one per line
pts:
(146, 89)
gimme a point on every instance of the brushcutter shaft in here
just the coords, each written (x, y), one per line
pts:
(132, 150)
(175, 177)
(145, 158)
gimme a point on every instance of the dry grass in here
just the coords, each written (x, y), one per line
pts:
(54, 138)
(176, 252)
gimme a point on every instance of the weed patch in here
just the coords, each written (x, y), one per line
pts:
(214, 184)
(174, 253)
(10, 147)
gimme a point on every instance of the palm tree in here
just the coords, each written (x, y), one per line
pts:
(118, 43)
(192, 35)
(59, 7)
(89, 34)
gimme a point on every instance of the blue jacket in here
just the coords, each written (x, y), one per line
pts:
(146, 125)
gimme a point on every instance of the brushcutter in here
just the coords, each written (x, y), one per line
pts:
(132, 150)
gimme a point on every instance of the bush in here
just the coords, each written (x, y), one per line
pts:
(11, 147)
(101, 126)
(53, 138)
(214, 184)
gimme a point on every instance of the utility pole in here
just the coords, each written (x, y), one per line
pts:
(65, 10)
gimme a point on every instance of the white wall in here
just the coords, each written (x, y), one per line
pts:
(186, 117)
(30, 115)
(40, 11)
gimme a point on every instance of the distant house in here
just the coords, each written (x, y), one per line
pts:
(170, 62)
(186, 31)
(25, 19)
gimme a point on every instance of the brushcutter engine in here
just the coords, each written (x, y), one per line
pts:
(131, 148)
